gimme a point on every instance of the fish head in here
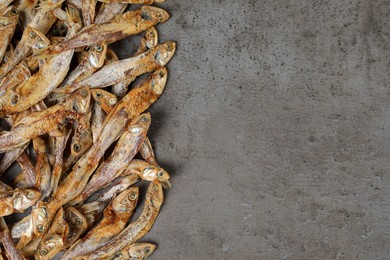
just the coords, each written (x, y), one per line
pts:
(164, 52)
(139, 125)
(49, 246)
(158, 80)
(25, 198)
(110, 56)
(151, 37)
(140, 250)
(82, 100)
(97, 55)
(10, 16)
(154, 194)
(81, 142)
(36, 39)
(163, 177)
(40, 219)
(152, 13)
(105, 99)
(9, 100)
(76, 220)
(127, 200)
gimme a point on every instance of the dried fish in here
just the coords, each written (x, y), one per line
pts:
(74, 139)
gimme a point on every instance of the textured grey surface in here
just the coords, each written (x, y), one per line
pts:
(275, 126)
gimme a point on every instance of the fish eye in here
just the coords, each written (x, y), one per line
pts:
(99, 48)
(14, 99)
(112, 101)
(160, 174)
(132, 196)
(144, 119)
(30, 195)
(14, 12)
(40, 228)
(99, 95)
(160, 15)
(146, 250)
(145, 16)
(76, 148)
(32, 34)
(43, 252)
(117, 255)
(84, 93)
(78, 221)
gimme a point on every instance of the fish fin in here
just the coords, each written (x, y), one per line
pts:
(73, 17)
(48, 5)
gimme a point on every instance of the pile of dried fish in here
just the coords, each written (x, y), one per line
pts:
(77, 130)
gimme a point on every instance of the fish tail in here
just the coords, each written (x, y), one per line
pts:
(73, 16)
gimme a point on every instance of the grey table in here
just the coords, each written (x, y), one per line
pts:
(275, 128)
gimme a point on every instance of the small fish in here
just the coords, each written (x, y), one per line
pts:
(114, 220)
(136, 229)
(17, 200)
(137, 251)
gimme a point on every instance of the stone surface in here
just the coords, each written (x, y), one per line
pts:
(275, 128)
